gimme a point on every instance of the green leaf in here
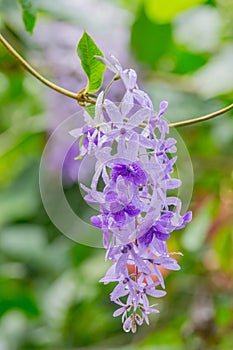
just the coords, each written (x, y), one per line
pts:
(28, 14)
(94, 69)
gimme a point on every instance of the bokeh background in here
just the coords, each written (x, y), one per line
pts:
(50, 297)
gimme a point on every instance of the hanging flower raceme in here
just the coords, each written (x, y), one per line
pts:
(136, 215)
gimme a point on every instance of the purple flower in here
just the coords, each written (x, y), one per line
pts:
(147, 238)
(120, 216)
(130, 172)
(136, 214)
(88, 132)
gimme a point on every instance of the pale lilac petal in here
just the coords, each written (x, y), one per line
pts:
(119, 311)
(173, 183)
(167, 263)
(139, 117)
(113, 112)
(129, 77)
(156, 293)
(127, 324)
(162, 107)
(118, 292)
(127, 103)
(133, 145)
(76, 132)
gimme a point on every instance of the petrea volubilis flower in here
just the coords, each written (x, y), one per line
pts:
(134, 163)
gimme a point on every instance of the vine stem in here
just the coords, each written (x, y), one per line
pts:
(32, 71)
(202, 118)
(82, 98)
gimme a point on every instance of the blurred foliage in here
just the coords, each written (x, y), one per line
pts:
(50, 297)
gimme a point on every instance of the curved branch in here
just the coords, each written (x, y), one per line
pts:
(82, 98)
(32, 71)
(202, 118)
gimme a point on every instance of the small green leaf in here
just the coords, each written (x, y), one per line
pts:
(28, 14)
(94, 69)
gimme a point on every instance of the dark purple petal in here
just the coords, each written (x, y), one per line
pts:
(161, 236)
(162, 225)
(131, 172)
(111, 196)
(119, 217)
(85, 142)
(186, 218)
(147, 237)
(137, 175)
(131, 210)
(117, 170)
(126, 248)
(88, 131)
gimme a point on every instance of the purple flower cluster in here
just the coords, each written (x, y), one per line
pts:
(134, 164)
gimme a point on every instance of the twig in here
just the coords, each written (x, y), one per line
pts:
(82, 98)
(32, 71)
(202, 118)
